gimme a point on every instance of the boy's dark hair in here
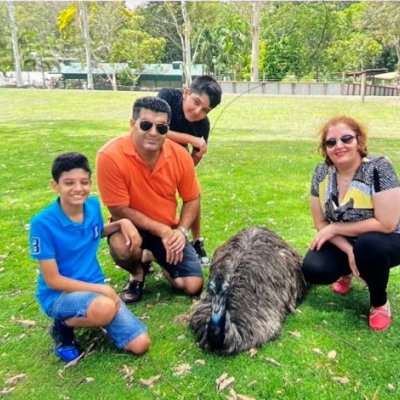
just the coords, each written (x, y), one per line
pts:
(67, 161)
(151, 103)
(206, 84)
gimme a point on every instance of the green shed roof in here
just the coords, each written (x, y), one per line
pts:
(76, 68)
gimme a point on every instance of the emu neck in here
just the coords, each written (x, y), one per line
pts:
(216, 326)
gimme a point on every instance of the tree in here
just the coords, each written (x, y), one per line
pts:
(382, 20)
(75, 19)
(186, 45)
(236, 39)
(6, 60)
(255, 40)
(183, 24)
(38, 36)
(181, 21)
(251, 12)
(86, 38)
(136, 48)
(355, 48)
(160, 24)
(225, 48)
(297, 36)
(184, 31)
(13, 29)
(132, 45)
(356, 52)
(116, 35)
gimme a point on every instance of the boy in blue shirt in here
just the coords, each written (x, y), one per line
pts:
(64, 238)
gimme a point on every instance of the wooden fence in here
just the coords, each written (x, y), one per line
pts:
(306, 89)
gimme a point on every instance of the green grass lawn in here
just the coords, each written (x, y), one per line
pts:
(262, 151)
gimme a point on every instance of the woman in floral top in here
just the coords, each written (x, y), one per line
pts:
(355, 205)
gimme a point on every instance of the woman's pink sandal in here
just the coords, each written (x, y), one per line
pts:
(343, 285)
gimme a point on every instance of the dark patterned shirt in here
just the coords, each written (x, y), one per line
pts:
(179, 123)
(374, 175)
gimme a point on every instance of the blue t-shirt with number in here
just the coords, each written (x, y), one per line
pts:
(73, 245)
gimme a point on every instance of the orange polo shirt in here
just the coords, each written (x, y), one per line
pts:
(124, 179)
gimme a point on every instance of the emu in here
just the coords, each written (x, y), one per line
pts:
(255, 281)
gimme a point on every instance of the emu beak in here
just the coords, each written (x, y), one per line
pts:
(218, 306)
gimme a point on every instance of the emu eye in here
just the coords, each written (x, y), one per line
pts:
(224, 287)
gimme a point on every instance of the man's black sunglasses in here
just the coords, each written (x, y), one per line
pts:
(346, 139)
(162, 129)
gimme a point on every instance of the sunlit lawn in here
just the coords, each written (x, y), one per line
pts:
(257, 171)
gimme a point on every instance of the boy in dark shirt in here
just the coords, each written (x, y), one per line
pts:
(190, 126)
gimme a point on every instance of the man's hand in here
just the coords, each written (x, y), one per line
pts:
(174, 242)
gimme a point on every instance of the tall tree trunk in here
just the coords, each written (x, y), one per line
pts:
(113, 79)
(255, 40)
(42, 41)
(86, 37)
(184, 36)
(187, 53)
(14, 40)
(42, 71)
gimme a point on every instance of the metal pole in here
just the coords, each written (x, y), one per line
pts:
(363, 75)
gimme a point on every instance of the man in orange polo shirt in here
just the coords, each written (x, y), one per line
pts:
(139, 176)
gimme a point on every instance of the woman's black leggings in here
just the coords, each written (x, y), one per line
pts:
(375, 253)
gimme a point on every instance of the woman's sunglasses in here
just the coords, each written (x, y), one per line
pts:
(346, 139)
(162, 129)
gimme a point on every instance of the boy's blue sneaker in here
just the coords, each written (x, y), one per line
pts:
(65, 345)
(67, 353)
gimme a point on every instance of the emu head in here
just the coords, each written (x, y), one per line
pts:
(218, 289)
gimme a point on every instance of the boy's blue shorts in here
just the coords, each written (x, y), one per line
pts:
(122, 329)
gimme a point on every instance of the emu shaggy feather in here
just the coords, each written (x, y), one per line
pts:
(265, 283)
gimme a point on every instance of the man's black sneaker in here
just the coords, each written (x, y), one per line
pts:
(65, 346)
(201, 252)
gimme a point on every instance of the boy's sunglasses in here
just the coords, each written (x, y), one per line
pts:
(162, 129)
(346, 139)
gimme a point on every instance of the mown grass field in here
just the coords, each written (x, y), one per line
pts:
(262, 151)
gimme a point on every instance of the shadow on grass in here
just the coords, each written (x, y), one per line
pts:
(335, 313)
